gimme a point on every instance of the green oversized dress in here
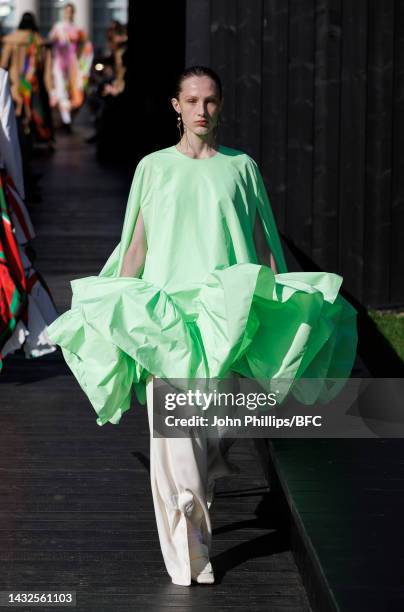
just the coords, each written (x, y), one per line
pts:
(203, 306)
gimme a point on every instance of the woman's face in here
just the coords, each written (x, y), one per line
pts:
(198, 101)
(69, 13)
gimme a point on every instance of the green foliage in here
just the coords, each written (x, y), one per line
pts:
(391, 325)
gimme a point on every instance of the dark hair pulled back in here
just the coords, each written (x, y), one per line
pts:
(197, 71)
(28, 22)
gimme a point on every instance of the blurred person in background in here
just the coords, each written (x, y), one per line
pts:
(29, 63)
(72, 59)
(117, 38)
(111, 110)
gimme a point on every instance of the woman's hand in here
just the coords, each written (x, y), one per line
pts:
(135, 256)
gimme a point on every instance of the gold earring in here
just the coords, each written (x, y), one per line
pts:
(179, 122)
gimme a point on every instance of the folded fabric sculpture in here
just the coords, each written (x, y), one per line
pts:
(203, 305)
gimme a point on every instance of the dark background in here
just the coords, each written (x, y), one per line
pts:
(314, 92)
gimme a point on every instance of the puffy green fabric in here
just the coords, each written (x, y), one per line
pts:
(203, 305)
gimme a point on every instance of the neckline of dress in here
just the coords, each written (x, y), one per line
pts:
(194, 159)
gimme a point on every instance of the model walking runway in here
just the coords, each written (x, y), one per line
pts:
(184, 296)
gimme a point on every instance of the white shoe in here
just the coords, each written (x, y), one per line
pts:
(201, 568)
(202, 571)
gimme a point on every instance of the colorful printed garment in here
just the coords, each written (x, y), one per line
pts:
(72, 59)
(26, 305)
(29, 88)
(28, 61)
(13, 289)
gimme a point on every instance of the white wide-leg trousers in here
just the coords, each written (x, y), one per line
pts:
(182, 474)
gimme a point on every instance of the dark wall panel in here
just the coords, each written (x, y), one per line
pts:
(314, 92)
(156, 57)
(198, 19)
(353, 144)
(300, 117)
(248, 76)
(274, 96)
(379, 151)
(327, 91)
(397, 196)
(224, 55)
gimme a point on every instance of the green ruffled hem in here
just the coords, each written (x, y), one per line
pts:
(241, 319)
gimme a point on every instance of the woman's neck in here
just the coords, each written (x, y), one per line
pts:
(196, 145)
